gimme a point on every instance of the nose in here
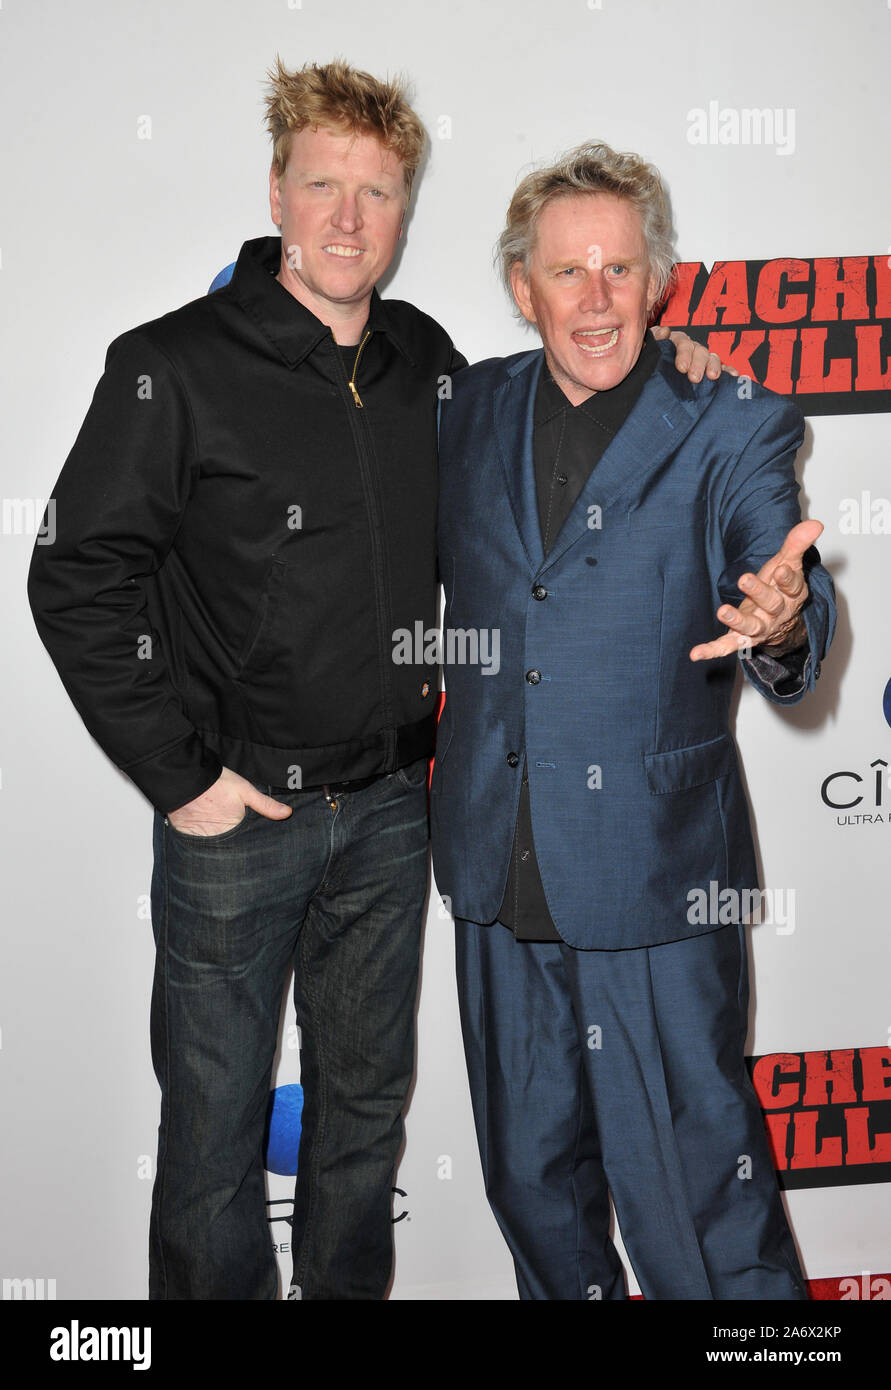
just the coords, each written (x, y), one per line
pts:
(346, 215)
(596, 296)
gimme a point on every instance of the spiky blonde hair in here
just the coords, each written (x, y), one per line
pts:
(343, 98)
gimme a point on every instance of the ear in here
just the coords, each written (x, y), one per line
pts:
(653, 296)
(275, 199)
(520, 289)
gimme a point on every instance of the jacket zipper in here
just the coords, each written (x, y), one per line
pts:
(364, 446)
(352, 381)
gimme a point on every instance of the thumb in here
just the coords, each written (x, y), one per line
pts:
(799, 539)
(266, 805)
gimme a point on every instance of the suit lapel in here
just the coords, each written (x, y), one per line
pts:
(665, 412)
(514, 408)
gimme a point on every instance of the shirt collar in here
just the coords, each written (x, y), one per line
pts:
(605, 408)
(292, 328)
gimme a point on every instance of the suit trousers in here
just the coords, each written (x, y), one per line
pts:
(622, 1072)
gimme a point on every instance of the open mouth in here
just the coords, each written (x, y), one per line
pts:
(347, 252)
(596, 342)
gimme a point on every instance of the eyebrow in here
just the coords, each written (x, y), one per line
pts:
(378, 182)
(583, 260)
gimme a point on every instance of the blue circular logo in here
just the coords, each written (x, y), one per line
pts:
(222, 279)
(886, 702)
(283, 1129)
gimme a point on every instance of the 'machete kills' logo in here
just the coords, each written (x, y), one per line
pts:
(817, 331)
(828, 1114)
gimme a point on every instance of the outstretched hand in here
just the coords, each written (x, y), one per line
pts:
(770, 614)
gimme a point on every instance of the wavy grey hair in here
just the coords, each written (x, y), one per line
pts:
(591, 168)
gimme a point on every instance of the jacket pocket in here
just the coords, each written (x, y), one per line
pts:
(261, 622)
(678, 769)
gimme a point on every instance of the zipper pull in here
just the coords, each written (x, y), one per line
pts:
(357, 399)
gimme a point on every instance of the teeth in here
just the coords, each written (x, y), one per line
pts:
(349, 251)
(598, 333)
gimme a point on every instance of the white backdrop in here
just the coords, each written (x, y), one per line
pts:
(102, 228)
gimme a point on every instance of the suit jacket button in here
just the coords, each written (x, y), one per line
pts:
(513, 759)
(539, 592)
(533, 677)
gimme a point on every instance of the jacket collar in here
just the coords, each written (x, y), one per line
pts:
(665, 412)
(291, 328)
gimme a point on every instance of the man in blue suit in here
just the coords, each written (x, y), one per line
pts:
(596, 509)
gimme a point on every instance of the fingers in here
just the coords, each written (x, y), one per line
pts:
(786, 583)
(750, 624)
(249, 795)
(696, 360)
(691, 358)
(267, 805)
(771, 600)
(721, 646)
(774, 596)
(753, 624)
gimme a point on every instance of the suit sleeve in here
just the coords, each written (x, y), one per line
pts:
(457, 362)
(758, 508)
(117, 505)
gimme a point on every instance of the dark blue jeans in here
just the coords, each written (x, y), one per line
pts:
(338, 890)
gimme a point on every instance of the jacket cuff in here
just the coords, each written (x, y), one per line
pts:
(177, 774)
(784, 676)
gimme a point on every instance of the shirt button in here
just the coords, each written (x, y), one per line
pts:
(539, 592)
(562, 479)
(513, 759)
(533, 677)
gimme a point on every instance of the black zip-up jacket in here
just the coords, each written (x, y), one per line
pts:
(238, 535)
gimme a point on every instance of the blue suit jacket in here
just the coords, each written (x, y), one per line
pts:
(635, 789)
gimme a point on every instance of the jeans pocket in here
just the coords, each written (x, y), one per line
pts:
(413, 775)
(184, 837)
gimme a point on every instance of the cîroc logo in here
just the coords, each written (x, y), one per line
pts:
(864, 796)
